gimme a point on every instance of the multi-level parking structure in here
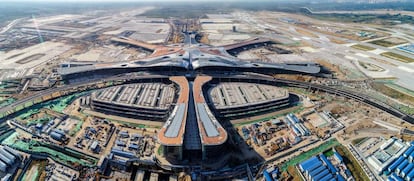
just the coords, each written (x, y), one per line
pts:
(238, 100)
(249, 78)
(149, 101)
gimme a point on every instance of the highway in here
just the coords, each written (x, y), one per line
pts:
(253, 78)
(10, 25)
(73, 86)
(317, 87)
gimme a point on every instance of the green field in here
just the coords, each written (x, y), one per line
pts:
(298, 109)
(384, 43)
(362, 47)
(76, 129)
(398, 57)
(137, 125)
(6, 101)
(36, 147)
(55, 155)
(390, 90)
(383, 19)
(358, 141)
(60, 104)
(351, 163)
(304, 156)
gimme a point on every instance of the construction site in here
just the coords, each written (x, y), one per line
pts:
(232, 95)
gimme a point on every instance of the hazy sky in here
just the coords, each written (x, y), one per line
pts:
(107, 0)
(129, 0)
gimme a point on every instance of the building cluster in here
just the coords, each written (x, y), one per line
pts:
(9, 162)
(95, 137)
(297, 128)
(402, 167)
(389, 151)
(321, 168)
(131, 146)
(56, 171)
(271, 134)
(46, 123)
(264, 133)
(271, 174)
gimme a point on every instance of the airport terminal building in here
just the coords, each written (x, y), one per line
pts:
(192, 128)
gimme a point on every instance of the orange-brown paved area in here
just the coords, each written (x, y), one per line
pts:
(182, 99)
(160, 51)
(197, 91)
(136, 43)
(247, 42)
(199, 98)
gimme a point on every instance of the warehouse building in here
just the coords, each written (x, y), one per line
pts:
(9, 162)
(402, 167)
(319, 168)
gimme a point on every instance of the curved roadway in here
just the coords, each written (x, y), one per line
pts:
(237, 78)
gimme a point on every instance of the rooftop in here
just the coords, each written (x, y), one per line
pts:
(228, 95)
(211, 132)
(172, 133)
(145, 95)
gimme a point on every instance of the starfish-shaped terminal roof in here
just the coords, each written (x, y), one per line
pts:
(191, 55)
(185, 58)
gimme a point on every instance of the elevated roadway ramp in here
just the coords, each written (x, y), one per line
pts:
(172, 133)
(211, 131)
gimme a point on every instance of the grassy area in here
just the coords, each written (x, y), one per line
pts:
(283, 113)
(329, 153)
(370, 67)
(306, 155)
(398, 57)
(362, 47)
(402, 96)
(42, 121)
(76, 129)
(384, 43)
(133, 124)
(351, 163)
(6, 134)
(294, 173)
(10, 139)
(393, 93)
(41, 165)
(34, 146)
(60, 104)
(383, 19)
(401, 89)
(160, 150)
(358, 141)
(406, 109)
(28, 113)
(6, 101)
